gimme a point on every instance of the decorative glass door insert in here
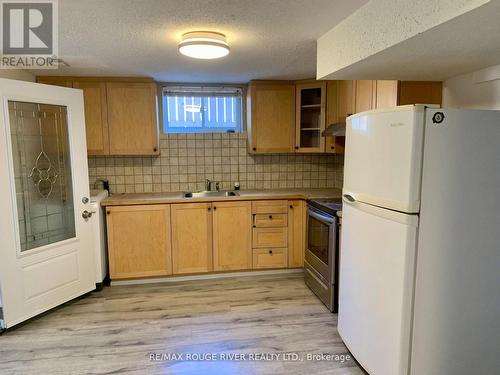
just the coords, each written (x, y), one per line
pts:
(42, 172)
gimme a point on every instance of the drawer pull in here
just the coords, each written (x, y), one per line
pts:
(271, 252)
(271, 217)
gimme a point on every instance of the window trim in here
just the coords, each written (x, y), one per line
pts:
(243, 87)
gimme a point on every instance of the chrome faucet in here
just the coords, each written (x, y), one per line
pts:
(208, 185)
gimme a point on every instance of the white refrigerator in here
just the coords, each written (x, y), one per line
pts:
(420, 258)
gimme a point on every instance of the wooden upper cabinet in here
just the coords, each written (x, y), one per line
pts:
(120, 113)
(232, 236)
(420, 92)
(386, 93)
(391, 93)
(139, 241)
(271, 116)
(132, 118)
(365, 97)
(55, 81)
(346, 99)
(333, 145)
(96, 116)
(310, 116)
(332, 98)
(191, 238)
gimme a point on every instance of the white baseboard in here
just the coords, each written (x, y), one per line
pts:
(174, 279)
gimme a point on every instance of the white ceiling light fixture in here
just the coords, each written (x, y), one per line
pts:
(204, 45)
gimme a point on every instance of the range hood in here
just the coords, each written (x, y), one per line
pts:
(337, 130)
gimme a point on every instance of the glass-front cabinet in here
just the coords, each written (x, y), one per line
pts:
(310, 116)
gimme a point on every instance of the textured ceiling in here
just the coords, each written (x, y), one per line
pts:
(269, 39)
(465, 43)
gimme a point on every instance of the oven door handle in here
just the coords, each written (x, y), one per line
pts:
(321, 217)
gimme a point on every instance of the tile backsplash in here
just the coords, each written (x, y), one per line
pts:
(186, 160)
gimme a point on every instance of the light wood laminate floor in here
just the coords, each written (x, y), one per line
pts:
(115, 331)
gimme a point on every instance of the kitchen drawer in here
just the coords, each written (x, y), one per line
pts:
(270, 258)
(270, 207)
(269, 237)
(270, 220)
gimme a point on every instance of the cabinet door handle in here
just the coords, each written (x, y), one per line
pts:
(210, 208)
(215, 208)
(291, 206)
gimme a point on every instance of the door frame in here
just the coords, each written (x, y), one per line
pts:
(13, 262)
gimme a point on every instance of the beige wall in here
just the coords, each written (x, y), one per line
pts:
(18, 74)
(477, 90)
(186, 160)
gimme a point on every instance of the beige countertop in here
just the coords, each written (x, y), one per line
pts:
(159, 198)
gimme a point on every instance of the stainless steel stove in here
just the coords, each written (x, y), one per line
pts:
(322, 251)
(331, 206)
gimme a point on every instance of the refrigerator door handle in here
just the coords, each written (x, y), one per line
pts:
(349, 197)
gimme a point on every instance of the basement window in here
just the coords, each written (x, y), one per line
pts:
(202, 109)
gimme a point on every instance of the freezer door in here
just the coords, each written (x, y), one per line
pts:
(384, 156)
(457, 295)
(377, 261)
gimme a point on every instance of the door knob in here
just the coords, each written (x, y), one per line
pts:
(86, 215)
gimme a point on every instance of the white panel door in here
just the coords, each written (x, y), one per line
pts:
(383, 157)
(46, 255)
(376, 286)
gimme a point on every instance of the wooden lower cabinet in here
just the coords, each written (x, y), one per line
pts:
(269, 207)
(269, 237)
(270, 220)
(139, 241)
(296, 233)
(270, 258)
(278, 233)
(191, 238)
(186, 238)
(232, 236)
